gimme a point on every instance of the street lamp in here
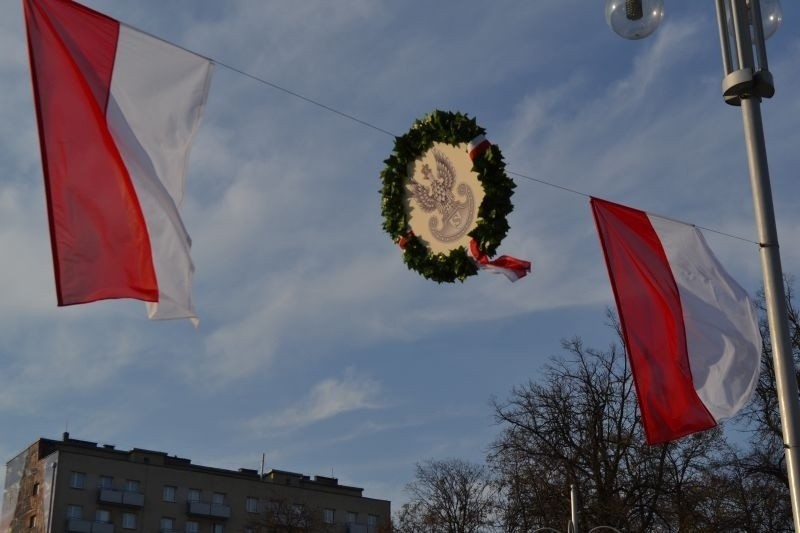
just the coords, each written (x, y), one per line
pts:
(743, 27)
(634, 19)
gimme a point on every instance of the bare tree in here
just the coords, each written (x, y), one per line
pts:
(448, 496)
(764, 410)
(762, 466)
(745, 501)
(579, 425)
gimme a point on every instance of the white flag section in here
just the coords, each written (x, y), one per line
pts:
(117, 112)
(157, 96)
(691, 331)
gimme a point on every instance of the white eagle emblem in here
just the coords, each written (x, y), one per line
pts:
(439, 196)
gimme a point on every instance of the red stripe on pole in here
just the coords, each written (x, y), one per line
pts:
(652, 323)
(101, 247)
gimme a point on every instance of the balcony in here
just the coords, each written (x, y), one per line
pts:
(119, 497)
(213, 510)
(78, 526)
(75, 525)
(102, 527)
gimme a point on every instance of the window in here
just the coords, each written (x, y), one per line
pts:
(218, 498)
(132, 485)
(272, 505)
(167, 524)
(128, 521)
(218, 528)
(328, 516)
(77, 480)
(192, 527)
(74, 512)
(169, 493)
(251, 504)
(106, 482)
(351, 517)
(101, 515)
(372, 520)
(248, 530)
(194, 495)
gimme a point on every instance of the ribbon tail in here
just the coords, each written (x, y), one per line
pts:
(510, 267)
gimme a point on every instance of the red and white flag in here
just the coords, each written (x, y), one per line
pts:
(117, 111)
(691, 331)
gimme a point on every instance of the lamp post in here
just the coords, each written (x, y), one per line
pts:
(743, 27)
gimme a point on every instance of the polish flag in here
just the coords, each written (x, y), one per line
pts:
(690, 330)
(117, 110)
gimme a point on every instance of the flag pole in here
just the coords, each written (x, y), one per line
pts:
(745, 86)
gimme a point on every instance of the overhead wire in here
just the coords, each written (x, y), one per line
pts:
(304, 98)
(374, 127)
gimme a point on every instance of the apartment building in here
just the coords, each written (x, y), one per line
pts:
(77, 486)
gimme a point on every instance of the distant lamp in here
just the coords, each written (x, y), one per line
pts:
(634, 19)
(771, 16)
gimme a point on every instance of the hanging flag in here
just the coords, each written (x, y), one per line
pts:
(690, 330)
(117, 110)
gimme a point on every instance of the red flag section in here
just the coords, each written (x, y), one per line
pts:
(690, 330)
(98, 235)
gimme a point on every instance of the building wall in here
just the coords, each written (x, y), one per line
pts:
(21, 504)
(77, 468)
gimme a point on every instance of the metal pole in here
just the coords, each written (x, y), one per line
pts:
(573, 499)
(775, 297)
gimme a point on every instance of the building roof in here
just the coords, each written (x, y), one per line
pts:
(68, 444)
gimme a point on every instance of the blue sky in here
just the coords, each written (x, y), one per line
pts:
(317, 346)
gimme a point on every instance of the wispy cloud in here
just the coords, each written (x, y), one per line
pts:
(65, 361)
(327, 399)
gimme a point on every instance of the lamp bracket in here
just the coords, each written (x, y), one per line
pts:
(743, 83)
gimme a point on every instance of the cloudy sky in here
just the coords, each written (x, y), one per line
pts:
(317, 346)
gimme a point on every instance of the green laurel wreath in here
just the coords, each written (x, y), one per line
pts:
(492, 226)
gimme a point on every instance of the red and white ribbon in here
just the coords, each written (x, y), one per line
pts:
(477, 146)
(510, 267)
(403, 241)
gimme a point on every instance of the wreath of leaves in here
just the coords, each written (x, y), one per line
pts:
(492, 226)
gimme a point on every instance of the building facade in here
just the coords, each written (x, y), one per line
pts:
(75, 486)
